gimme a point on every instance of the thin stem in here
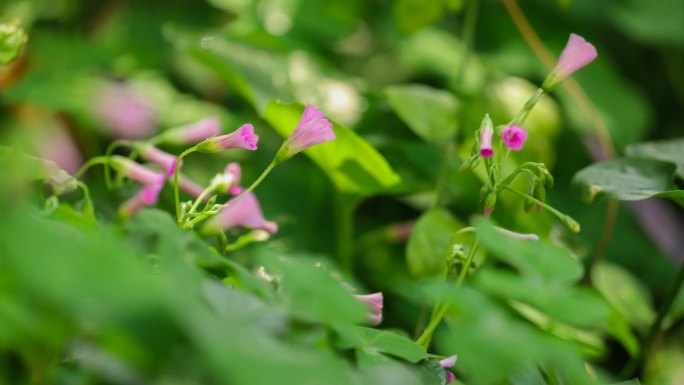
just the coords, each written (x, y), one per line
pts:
(606, 235)
(176, 194)
(261, 177)
(520, 117)
(201, 198)
(469, 261)
(108, 154)
(536, 201)
(630, 369)
(90, 163)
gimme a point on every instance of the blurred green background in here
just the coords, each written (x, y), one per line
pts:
(393, 73)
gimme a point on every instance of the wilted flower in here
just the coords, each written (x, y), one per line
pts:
(576, 54)
(448, 363)
(124, 112)
(243, 137)
(313, 128)
(374, 303)
(243, 210)
(514, 137)
(192, 133)
(162, 159)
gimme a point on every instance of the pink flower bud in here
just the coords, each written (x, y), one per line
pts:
(514, 138)
(235, 171)
(243, 137)
(192, 133)
(486, 149)
(135, 171)
(162, 159)
(374, 303)
(576, 54)
(147, 196)
(448, 363)
(313, 128)
(243, 210)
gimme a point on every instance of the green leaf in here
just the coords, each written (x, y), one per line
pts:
(411, 15)
(537, 260)
(12, 38)
(634, 381)
(354, 166)
(429, 112)
(384, 341)
(427, 248)
(625, 293)
(665, 150)
(657, 23)
(627, 179)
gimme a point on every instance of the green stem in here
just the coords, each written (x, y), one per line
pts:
(110, 149)
(525, 111)
(261, 177)
(201, 198)
(630, 369)
(176, 194)
(469, 261)
(90, 163)
(87, 202)
(536, 201)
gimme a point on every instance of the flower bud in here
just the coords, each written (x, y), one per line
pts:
(571, 224)
(490, 202)
(486, 132)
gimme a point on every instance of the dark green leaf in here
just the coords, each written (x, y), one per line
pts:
(627, 179)
(667, 150)
(427, 248)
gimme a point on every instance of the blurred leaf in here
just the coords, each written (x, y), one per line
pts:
(384, 341)
(630, 382)
(427, 248)
(411, 15)
(429, 112)
(625, 293)
(12, 38)
(354, 166)
(619, 327)
(627, 179)
(658, 22)
(665, 150)
(536, 260)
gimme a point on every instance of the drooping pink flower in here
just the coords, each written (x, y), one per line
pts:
(514, 137)
(147, 196)
(446, 364)
(576, 54)
(243, 137)
(192, 133)
(313, 128)
(243, 210)
(375, 304)
(513, 234)
(486, 149)
(135, 171)
(162, 159)
(124, 112)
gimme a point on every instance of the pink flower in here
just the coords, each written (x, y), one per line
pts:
(448, 363)
(162, 159)
(124, 112)
(313, 128)
(189, 187)
(243, 210)
(374, 303)
(192, 133)
(243, 137)
(235, 172)
(135, 171)
(147, 196)
(514, 138)
(576, 54)
(486, 149)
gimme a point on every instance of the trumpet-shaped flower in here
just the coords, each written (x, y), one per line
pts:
(374, 303)
(448, 363)
(576, 54)
(514, 137)
(162, 159)
(189, 187)
(192, 133)
(244, 210)
(486, 149)
(313, 128)
(243, 137)
(135, 171)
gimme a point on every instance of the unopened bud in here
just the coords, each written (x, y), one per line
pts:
(539, 193)
(571, 224)
(490, 202)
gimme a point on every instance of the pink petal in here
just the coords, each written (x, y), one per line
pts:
(448, 362)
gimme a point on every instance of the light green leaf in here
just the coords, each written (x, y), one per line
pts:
(429, 112)
(354, 166)
(411, 15)
(534, 259)
(666, 150)
(625, 293)
(12, 38)
(627, 179)
(427, 247)
(384, 341)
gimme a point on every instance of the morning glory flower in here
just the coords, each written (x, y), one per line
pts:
(243, 137)
(243, 210)
(313, 128)
(514, 137)
(576, 54)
